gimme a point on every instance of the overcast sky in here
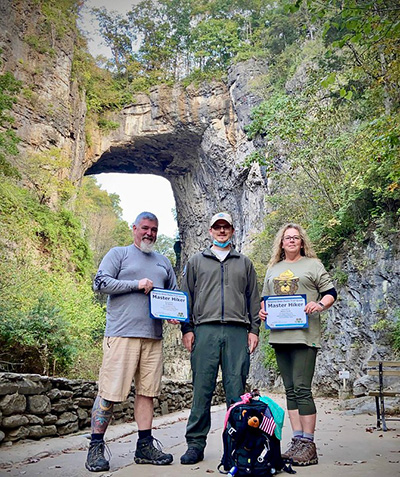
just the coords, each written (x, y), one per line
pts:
(138, 192)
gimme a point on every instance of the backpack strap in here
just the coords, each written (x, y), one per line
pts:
(245, 398)
(229, 473)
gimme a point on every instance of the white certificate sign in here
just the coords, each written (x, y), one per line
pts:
(169, 304)
(285, 312)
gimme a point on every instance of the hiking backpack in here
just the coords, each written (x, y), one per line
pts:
(250, 445)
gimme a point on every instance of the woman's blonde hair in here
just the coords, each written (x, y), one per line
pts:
(278, 254)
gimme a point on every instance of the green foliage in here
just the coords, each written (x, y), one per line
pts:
(382, 325)
(100, 213)
(388, 328)
(52, 320)
(9, 88)
(331, 146)
(47, 174)
(60, 235)
(165, 246)
(171, 40)
(215, 42)
(39, 44)
(102, 91)
(58, 19)
(39, 340)
(57, 234)
(107, 125)
(340, 277)
(199, 76)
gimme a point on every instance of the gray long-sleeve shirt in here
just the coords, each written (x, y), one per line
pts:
(128, 307)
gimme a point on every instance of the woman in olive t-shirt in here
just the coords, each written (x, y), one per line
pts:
(294, 269)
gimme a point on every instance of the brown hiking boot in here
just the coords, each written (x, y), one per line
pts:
(306, 453)
(292, 448)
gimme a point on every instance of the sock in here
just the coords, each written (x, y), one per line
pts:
(144, 434)
(97, 437)
(309, 437)
(297, 434)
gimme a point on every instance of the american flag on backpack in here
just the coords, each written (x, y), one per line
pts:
(267, 425)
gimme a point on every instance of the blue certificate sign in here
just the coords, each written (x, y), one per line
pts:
(169, 304)
(285, 312)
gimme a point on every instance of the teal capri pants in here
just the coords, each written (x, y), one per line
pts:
(296, 363)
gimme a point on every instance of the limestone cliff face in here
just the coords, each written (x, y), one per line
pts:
(50, 112)
(195, 138)
(359, 327)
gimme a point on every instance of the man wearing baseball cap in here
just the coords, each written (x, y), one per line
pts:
(223, 330)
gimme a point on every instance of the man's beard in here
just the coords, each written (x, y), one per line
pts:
(146, 247)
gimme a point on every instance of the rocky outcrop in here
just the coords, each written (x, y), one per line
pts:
(51, 111)
(360, 326)
(195, 138)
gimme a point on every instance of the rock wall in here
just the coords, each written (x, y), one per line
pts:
(359, 327)
(34, 406)
(51, 111)
(195, 138)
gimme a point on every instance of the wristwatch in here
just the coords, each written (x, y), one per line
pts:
(322, 305)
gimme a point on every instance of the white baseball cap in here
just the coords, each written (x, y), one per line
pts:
(221, 216)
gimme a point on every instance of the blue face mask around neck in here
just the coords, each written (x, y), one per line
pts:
(222, 244)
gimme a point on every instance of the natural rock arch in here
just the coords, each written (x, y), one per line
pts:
(195, 138)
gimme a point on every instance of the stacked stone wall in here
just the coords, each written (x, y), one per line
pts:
(34, 406)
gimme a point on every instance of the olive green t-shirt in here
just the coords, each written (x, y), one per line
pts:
(307, 277)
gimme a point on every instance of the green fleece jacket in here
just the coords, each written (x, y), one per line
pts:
(222, 292)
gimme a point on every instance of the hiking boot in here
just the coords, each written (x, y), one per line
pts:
(306, 453)
(292, 448)
(96, 462)
(147, 453)
(192, 456)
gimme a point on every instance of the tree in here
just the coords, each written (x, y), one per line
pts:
(165, 246)
(101, 214)
(214, 43)
(47, 174)
(370, 30)
(117, 36)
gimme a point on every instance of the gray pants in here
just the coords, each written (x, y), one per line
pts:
(215, 345)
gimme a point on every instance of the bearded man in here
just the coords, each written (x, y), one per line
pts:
(132, 346)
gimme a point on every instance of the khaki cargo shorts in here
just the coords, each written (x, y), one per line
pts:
(130, 359)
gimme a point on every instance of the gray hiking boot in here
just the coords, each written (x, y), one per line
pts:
(306, 453)
(148, 453)
(292, 448)
(96, 462)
